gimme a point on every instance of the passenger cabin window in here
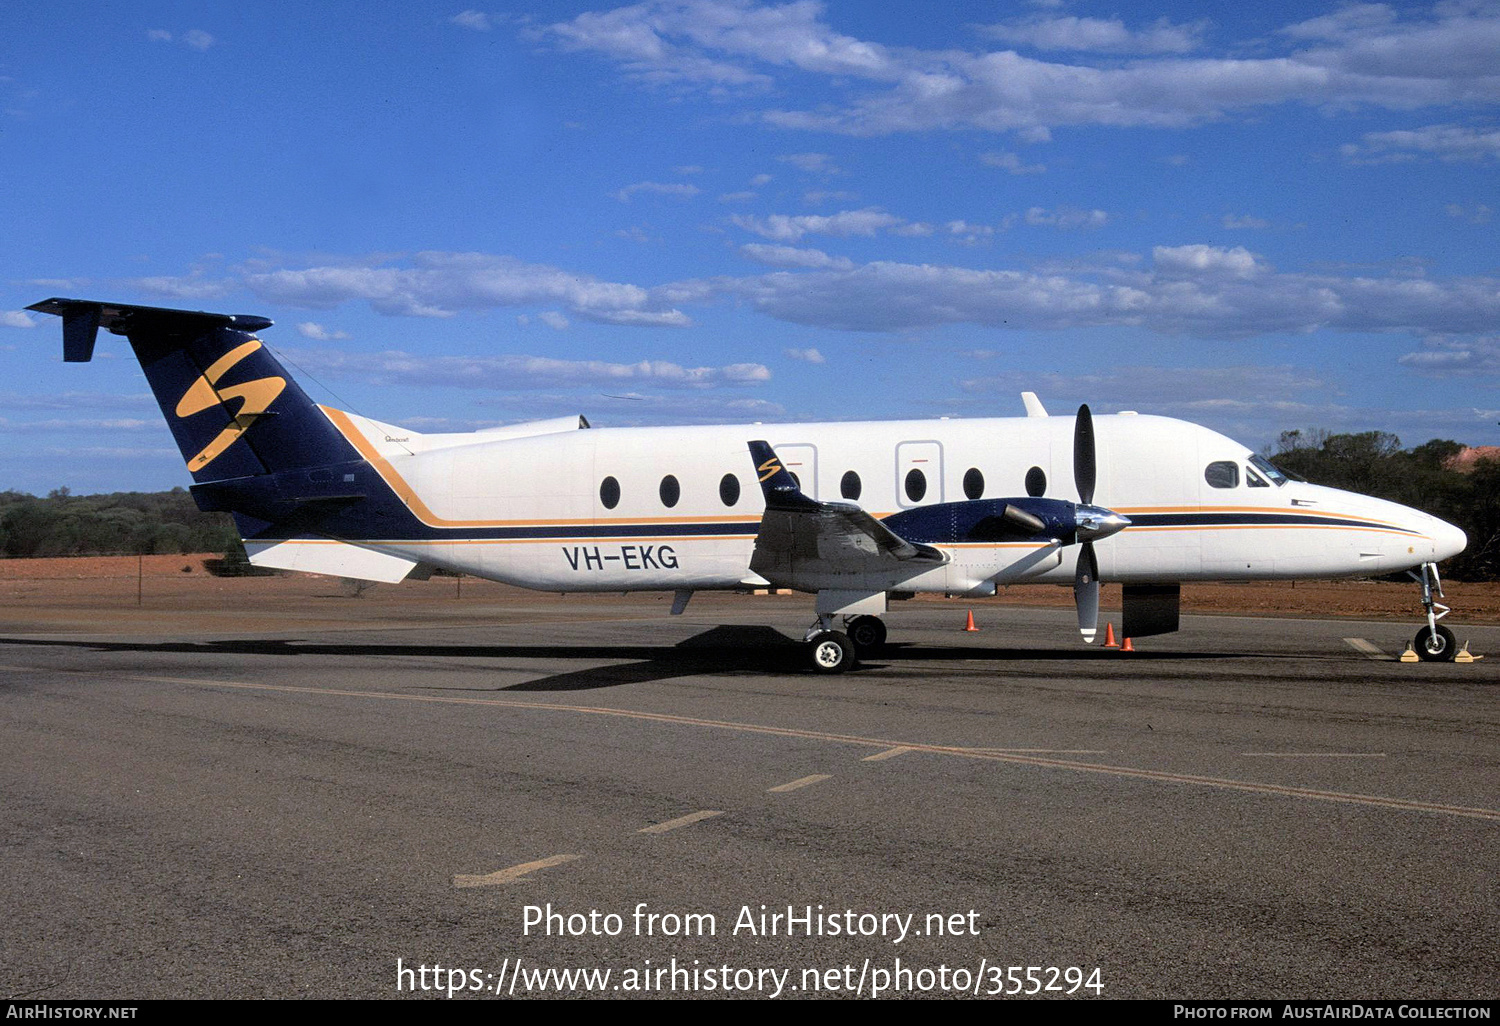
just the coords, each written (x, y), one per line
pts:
(1036, 482)
(850, 486)
(1254, 480)
(916, 485)
(729, 489)
(1222, 474)
(973, 483)
(670, 491)
(609, 492)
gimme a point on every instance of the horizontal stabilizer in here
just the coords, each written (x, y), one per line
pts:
(326, 556)
(82, 319)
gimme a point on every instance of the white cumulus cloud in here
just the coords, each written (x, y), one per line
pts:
(1099, 34)
(790, 228)
(471, 19)
(792, 256)
(1370, 55)
(316, 331)
(436, 284)
(682, 190)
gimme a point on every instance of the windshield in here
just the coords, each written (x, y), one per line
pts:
(1265, 466)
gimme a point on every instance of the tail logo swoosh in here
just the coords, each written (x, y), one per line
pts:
(255, 399)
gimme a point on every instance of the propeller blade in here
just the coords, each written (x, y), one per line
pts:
(1086, 592)
(1083, 455)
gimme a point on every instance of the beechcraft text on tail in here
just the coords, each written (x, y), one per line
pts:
(848, 512)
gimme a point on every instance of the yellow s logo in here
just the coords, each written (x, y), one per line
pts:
(255, 396)
(770, 467)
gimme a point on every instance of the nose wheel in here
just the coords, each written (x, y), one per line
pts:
(1433, 643)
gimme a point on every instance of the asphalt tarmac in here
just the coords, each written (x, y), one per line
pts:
(1251, 808)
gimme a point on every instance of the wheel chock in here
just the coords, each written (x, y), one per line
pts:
(1465, 656)
(1109, 636)
(1410, 655)
(970, 625)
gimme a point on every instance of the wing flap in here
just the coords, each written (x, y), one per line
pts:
(803, 543)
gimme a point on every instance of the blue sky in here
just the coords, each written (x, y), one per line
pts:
(1255, 217)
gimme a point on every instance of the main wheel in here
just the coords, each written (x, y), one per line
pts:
(830, 652)
(867, 633)
(1435, 646)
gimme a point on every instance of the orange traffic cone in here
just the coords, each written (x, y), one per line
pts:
(970, 625)
(1127, 647)
(1109, 636)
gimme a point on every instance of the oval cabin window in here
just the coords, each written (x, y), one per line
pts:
(670, 491)
(729, 489)
(609, 492)
(849, 485)
(916, 485)
(973, 483)
(1036, 482)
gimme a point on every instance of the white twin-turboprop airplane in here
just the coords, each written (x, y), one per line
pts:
(850, 512)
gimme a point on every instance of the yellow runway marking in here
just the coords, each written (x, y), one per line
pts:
(800, 782)
(1127, 772)
(680, 821)
(889, 753)
(1037, 751)
(1314, 755)
(514, 873)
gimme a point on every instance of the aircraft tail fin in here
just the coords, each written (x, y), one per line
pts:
(232, 408)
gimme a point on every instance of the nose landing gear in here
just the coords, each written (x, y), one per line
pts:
(1433, 643)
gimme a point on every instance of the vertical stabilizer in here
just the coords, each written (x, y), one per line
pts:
(231, 407)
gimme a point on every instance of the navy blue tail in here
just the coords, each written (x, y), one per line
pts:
(232, 408)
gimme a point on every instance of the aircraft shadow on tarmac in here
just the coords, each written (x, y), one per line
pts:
(724, 649)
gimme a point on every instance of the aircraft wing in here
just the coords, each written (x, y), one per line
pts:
(807, 544)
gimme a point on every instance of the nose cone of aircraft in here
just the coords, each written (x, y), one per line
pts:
(1447, 540)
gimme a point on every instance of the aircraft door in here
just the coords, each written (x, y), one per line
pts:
(801, 459)
(919, 473)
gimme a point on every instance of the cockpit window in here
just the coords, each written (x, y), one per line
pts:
(1222, 474)
(1269, 469)
(1254, 480)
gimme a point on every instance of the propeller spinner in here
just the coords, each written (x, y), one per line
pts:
(1094, 523)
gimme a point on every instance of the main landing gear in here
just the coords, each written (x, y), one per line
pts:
(831, 651)
(1433, 643)
(867, 633)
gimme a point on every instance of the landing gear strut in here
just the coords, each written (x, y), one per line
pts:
(828, 651)
(1433, 643)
